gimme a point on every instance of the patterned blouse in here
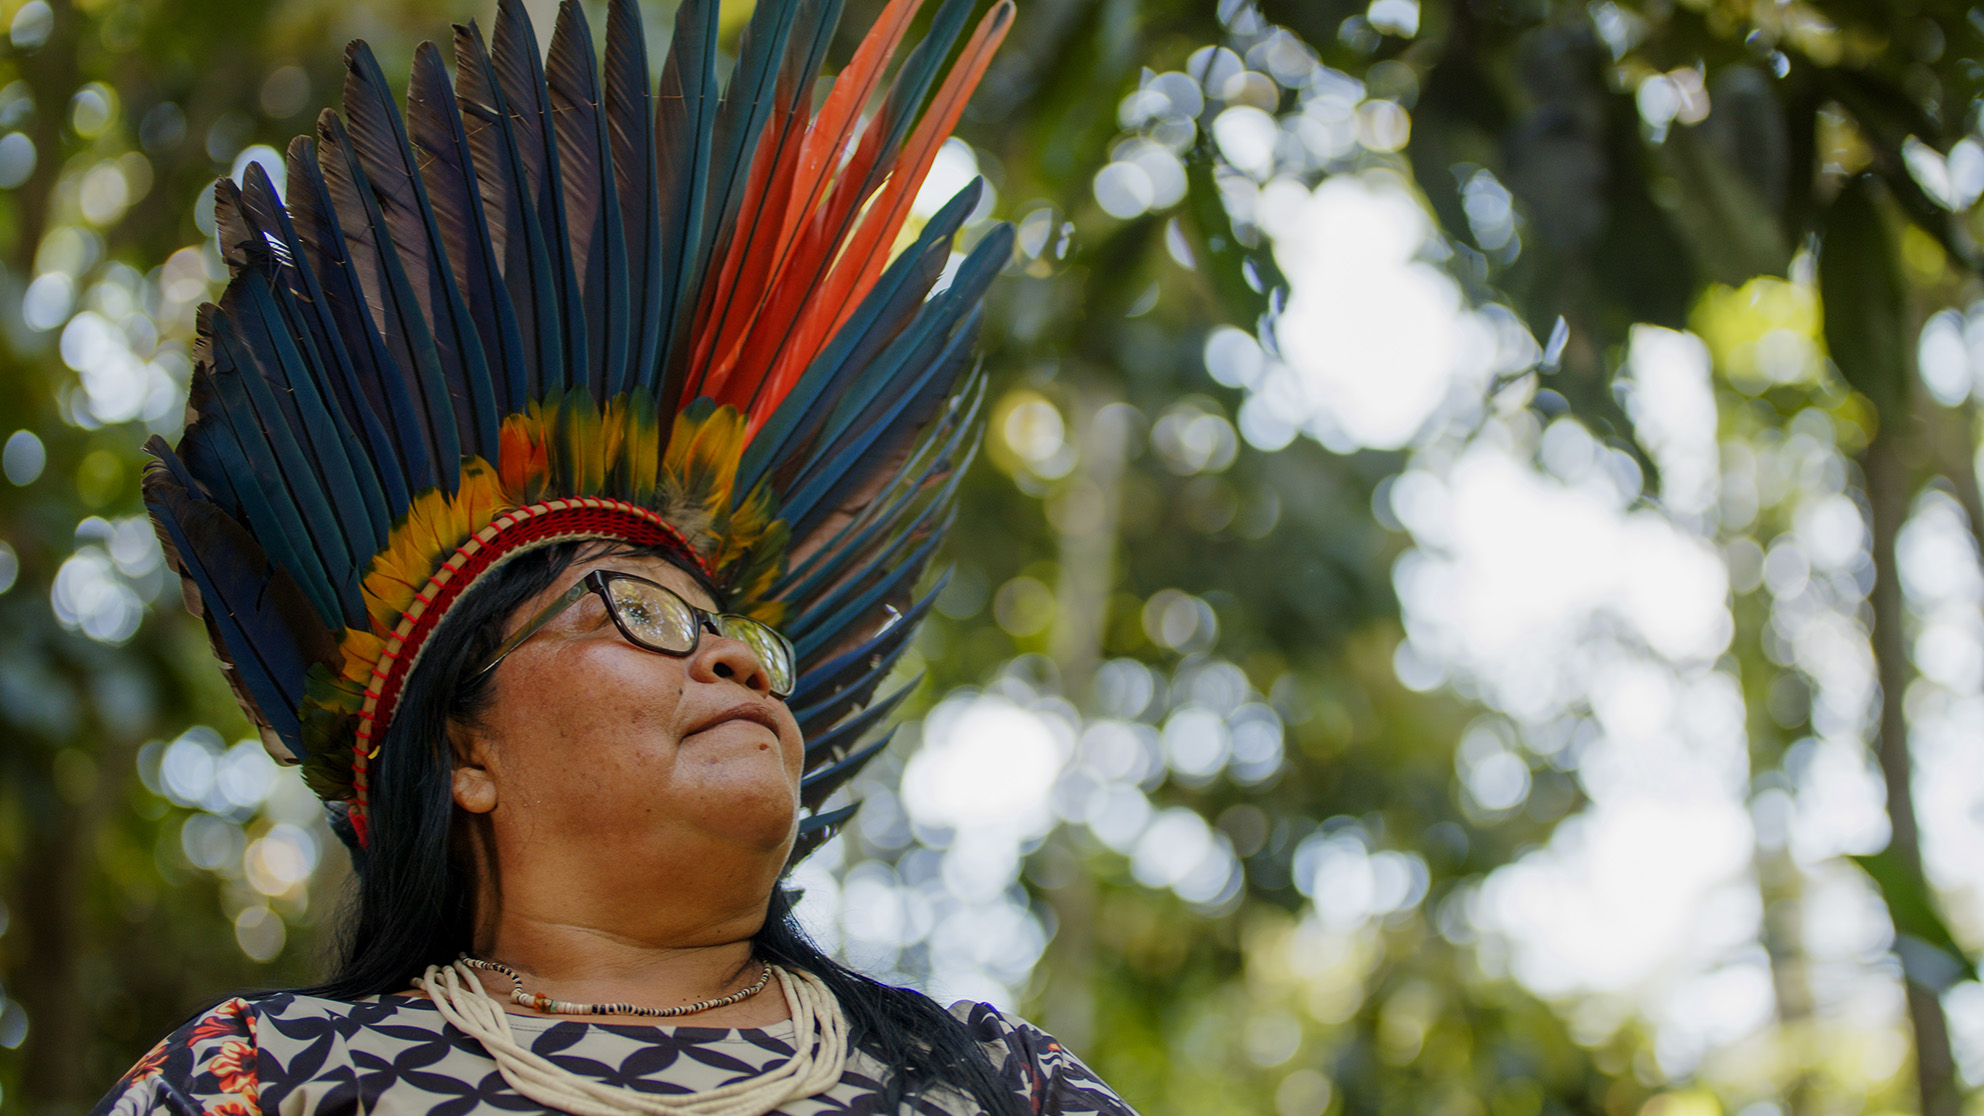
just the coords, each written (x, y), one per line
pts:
(306, 1056)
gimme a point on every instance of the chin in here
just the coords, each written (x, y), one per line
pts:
(764, 819)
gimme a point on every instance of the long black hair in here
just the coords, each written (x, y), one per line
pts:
(412, 904)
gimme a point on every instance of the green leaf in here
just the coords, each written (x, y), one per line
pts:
(1930, 956)
(1226, 261)
(1888, 119)
(1862, 296)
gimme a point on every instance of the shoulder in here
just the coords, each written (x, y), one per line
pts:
(1036, 1065)
(207, 1065)
(219, 1063)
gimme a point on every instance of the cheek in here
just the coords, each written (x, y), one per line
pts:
(588, 722)
(589, 748)
(794, 746)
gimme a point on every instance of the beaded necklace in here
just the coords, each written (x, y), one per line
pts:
(540, 1002)
(818, 1061)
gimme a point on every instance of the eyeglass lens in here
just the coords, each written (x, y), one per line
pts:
(653, 615)
(665, 622)
(765, 644)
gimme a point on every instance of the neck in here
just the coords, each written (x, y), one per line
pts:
(576, 939)
(584, 965)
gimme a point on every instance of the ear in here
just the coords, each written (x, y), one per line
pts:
(474, 788)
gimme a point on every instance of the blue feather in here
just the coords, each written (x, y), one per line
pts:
(898, 511)
(839, 739)
(967, 289)
(314, 328)
(852, 545)
(833, 687)
(637, 180)
(230, 428)
(253, 608)
(435, 125)
(904, 543)
(201, 466)
(918, 72)
(825, 823)
(393, 305)
(817, 830)
(685, 117)
(416, 269)
(748, 99)
(900, 292)
(585, 161)
(879, 413)
(531, 122)
(380, 379)
(321, 446)
(832, 471)
(824, 626)
(515, 229)
(818, 786)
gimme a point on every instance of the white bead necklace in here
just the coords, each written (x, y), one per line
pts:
(819, 1058)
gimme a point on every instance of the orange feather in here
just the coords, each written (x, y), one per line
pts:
(809, 262)
(872, 244)
(747, 270)
(799, 182)
(860, 261)
(827, 139)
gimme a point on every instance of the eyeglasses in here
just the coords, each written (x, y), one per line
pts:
(657, 618)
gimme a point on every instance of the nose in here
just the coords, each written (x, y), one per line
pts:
(720, 658)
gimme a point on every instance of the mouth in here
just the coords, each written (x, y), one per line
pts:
(752, 712)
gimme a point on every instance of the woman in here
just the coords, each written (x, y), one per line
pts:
(561, 461)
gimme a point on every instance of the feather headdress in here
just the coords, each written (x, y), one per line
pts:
(546, 304)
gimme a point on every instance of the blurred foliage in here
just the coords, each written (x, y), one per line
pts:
(1675, 162)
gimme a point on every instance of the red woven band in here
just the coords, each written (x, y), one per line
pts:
(511, 534)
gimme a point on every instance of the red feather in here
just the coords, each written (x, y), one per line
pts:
(818, 275)
(858, 263)
(827, 139)
(803, 172)
(871, 247)
(740, 287)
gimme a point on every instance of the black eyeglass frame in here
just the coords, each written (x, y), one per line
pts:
(597, 582)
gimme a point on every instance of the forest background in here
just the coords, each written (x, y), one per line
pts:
(1470, 607)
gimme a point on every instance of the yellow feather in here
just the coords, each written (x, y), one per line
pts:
(584, 472)
(481, 499)
(640, 456)
(361, 655)
(703, 456)
(524, 457)
(612, 443)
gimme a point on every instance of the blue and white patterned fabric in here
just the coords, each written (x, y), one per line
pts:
(306, 1056)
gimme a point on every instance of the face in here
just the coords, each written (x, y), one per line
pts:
(602, 774)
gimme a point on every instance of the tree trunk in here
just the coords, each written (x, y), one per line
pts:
(1887, 498)
(1781, 882)
(1087, 523)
